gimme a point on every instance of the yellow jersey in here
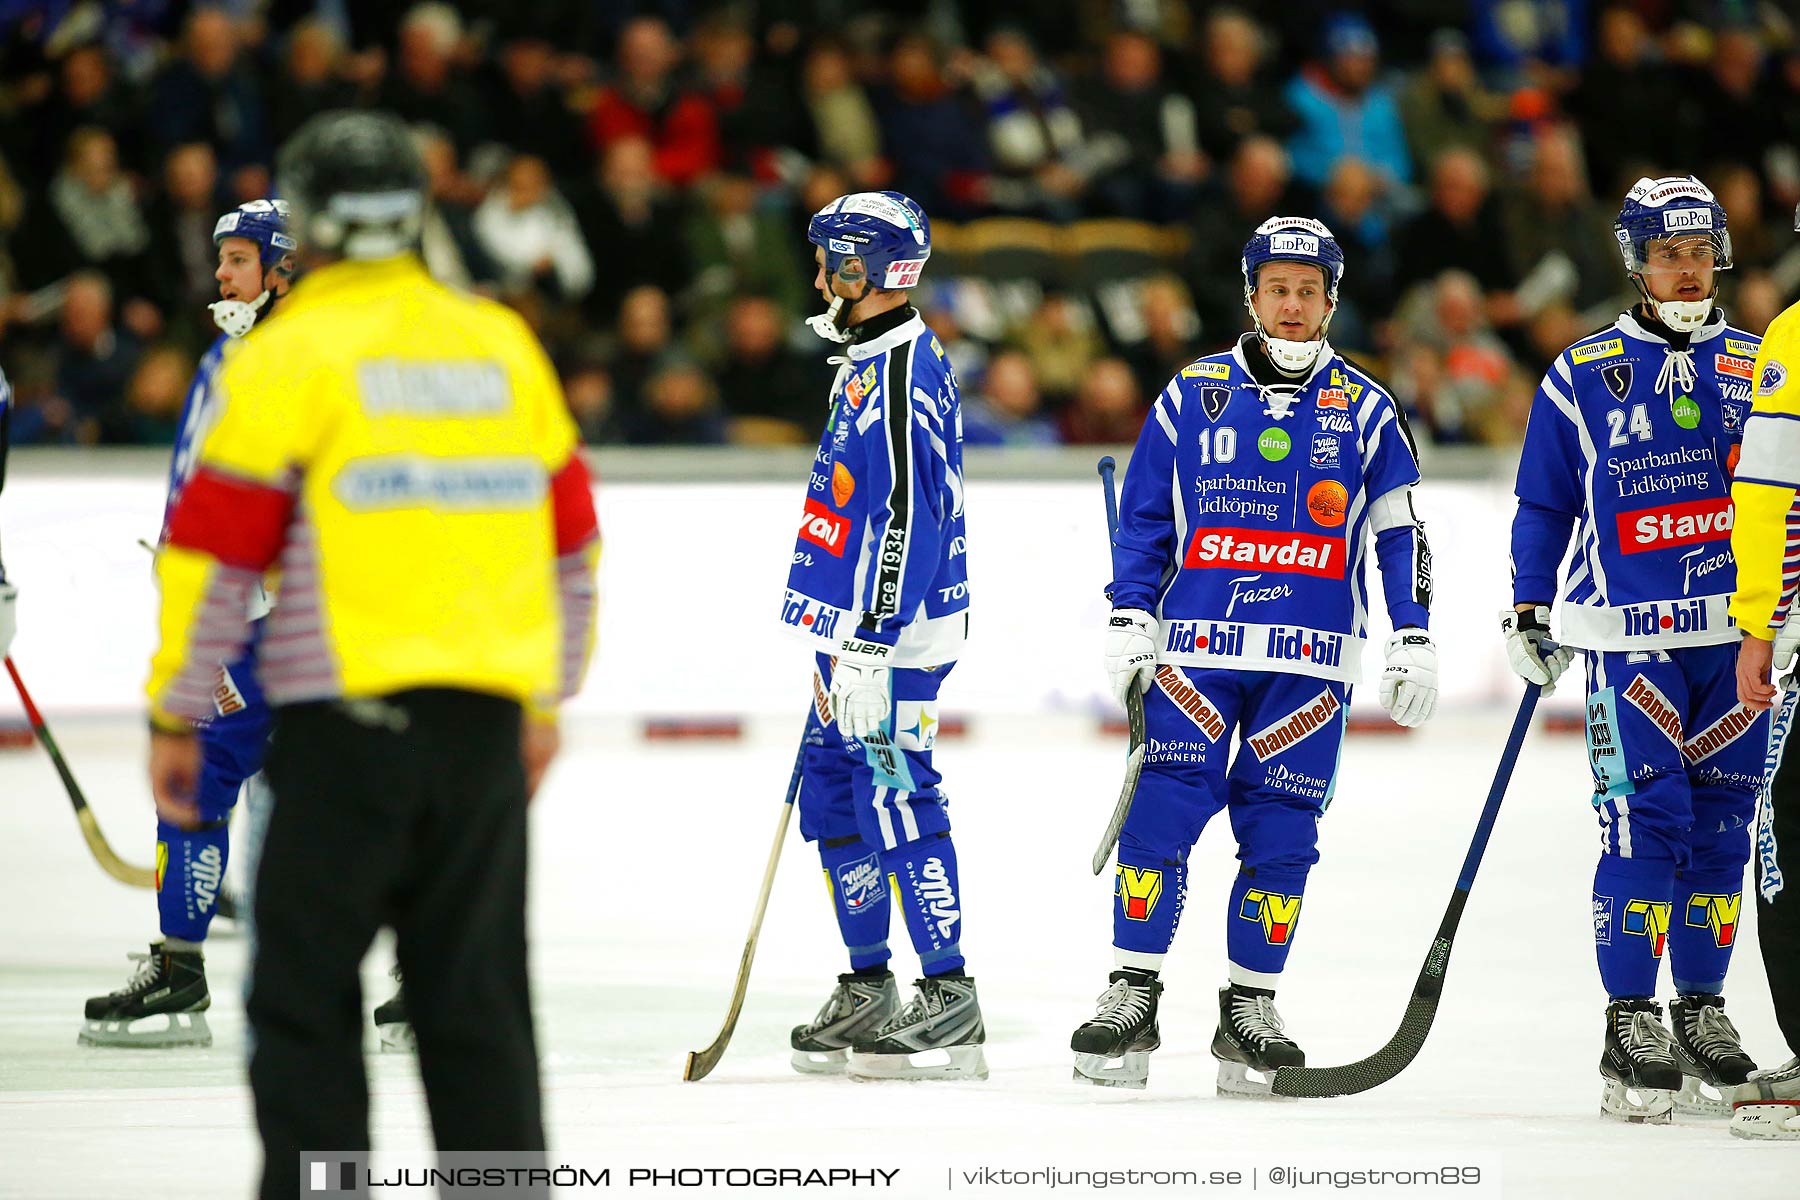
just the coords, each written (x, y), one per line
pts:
(1765, 534)
(403, 454)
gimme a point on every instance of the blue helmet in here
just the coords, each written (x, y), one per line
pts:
(887, 230)
(1670, 207)
(1300, 240)
(1294, 239)
(264, 222)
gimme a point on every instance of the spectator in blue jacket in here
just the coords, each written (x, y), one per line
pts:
(1345, 110)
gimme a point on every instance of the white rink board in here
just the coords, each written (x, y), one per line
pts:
(646, 860)
(693, 574)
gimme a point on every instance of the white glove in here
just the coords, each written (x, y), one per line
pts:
(1787, 640)
(1130, 650)
(1409, 687)
(9, 621)
(861, 688)
(1525, 631)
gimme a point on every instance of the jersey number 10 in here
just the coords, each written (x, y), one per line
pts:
(1219, 442)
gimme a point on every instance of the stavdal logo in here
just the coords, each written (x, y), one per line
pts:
(1274, 444)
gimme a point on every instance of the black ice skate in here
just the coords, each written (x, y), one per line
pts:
(163, 1005)
(1767, 1106)
(1638, 1064)
(391, 1021)
(1711, 1055)
(1251, 1043)
(857, 1007)
(1112, 1048)
(938, 1035)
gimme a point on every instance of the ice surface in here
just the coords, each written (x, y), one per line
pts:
(646, 863)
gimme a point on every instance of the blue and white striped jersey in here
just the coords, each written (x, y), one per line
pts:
(882, 553)
(1630, 446)
(1245, 512)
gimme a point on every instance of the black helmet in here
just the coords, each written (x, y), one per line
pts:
(355, 183)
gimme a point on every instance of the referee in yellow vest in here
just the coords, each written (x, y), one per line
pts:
(1765, 540)
(403, 454)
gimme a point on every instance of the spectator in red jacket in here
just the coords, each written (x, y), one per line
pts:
(645, 100)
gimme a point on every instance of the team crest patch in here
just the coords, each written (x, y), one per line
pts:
(1213, 401)
(1603, 921)
(860, 883)
(1773, 376)
(1139, 890)
(1617, 377)
(1275, 912)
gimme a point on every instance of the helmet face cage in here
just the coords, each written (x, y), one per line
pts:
(888, 231)
(1665, 221)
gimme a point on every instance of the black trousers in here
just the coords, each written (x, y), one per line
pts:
(1777, 853)
(407, 811)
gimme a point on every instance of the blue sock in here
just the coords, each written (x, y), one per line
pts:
(1150, 891)
(1261, 921)
(859, 895)
(923, 874)
(1703, 925)
(190, 869)
(1631, 922)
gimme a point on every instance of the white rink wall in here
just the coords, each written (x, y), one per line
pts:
(691, 587)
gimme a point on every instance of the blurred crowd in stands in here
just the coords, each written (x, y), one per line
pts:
(635, 179)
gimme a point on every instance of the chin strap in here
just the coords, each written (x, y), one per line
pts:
(1294, 358)
(236, 317)
(1683, 316)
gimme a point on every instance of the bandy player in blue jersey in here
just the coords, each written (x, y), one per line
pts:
(165, 1001)
(879, 588)
(1631, 446)
(1239, 605)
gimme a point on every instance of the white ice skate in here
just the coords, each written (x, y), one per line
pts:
(1767, 1106)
